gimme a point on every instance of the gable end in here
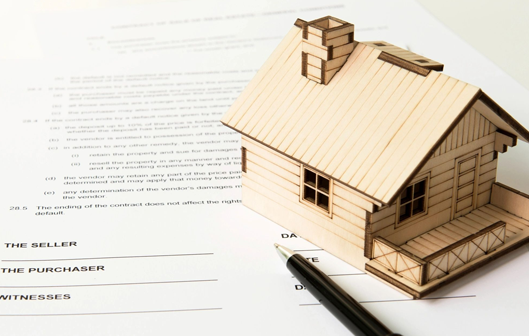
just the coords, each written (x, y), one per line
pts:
(429, 154)
(506, 117)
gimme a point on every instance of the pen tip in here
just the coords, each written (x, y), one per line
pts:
(283, 252)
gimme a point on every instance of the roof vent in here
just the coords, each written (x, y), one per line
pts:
(405, 55)
(326, 44)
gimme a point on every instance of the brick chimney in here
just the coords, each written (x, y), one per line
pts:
(326, 44)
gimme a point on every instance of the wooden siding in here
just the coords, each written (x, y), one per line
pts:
(277, 178)
(472, 127)
(442, 170)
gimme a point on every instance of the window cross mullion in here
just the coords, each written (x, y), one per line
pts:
(319, 187)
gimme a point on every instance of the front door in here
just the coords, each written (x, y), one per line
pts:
(465, 184)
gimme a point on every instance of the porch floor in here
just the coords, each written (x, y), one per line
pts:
(464, 226)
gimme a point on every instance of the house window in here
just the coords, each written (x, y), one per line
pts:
(412, 200)
(316, 189)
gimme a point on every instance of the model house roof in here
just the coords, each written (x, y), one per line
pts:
(375, 123)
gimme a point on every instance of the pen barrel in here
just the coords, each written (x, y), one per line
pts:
(355, 317)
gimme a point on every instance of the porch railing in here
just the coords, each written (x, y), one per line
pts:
(397, 260)
(464, 251)
(441, 263)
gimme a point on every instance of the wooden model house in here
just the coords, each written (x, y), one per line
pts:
(368, 151)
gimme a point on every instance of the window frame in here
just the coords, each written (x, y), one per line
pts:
(413, 217)
(310, 204)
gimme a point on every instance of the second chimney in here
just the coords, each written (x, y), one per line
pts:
(326, 44)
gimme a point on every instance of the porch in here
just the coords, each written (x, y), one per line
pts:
(458, 247)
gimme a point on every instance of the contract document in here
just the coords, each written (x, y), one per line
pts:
(121, 208)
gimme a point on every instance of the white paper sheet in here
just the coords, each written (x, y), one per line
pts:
(162, 263)
(188, 26)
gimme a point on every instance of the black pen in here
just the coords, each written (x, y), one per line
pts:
(331, 296)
